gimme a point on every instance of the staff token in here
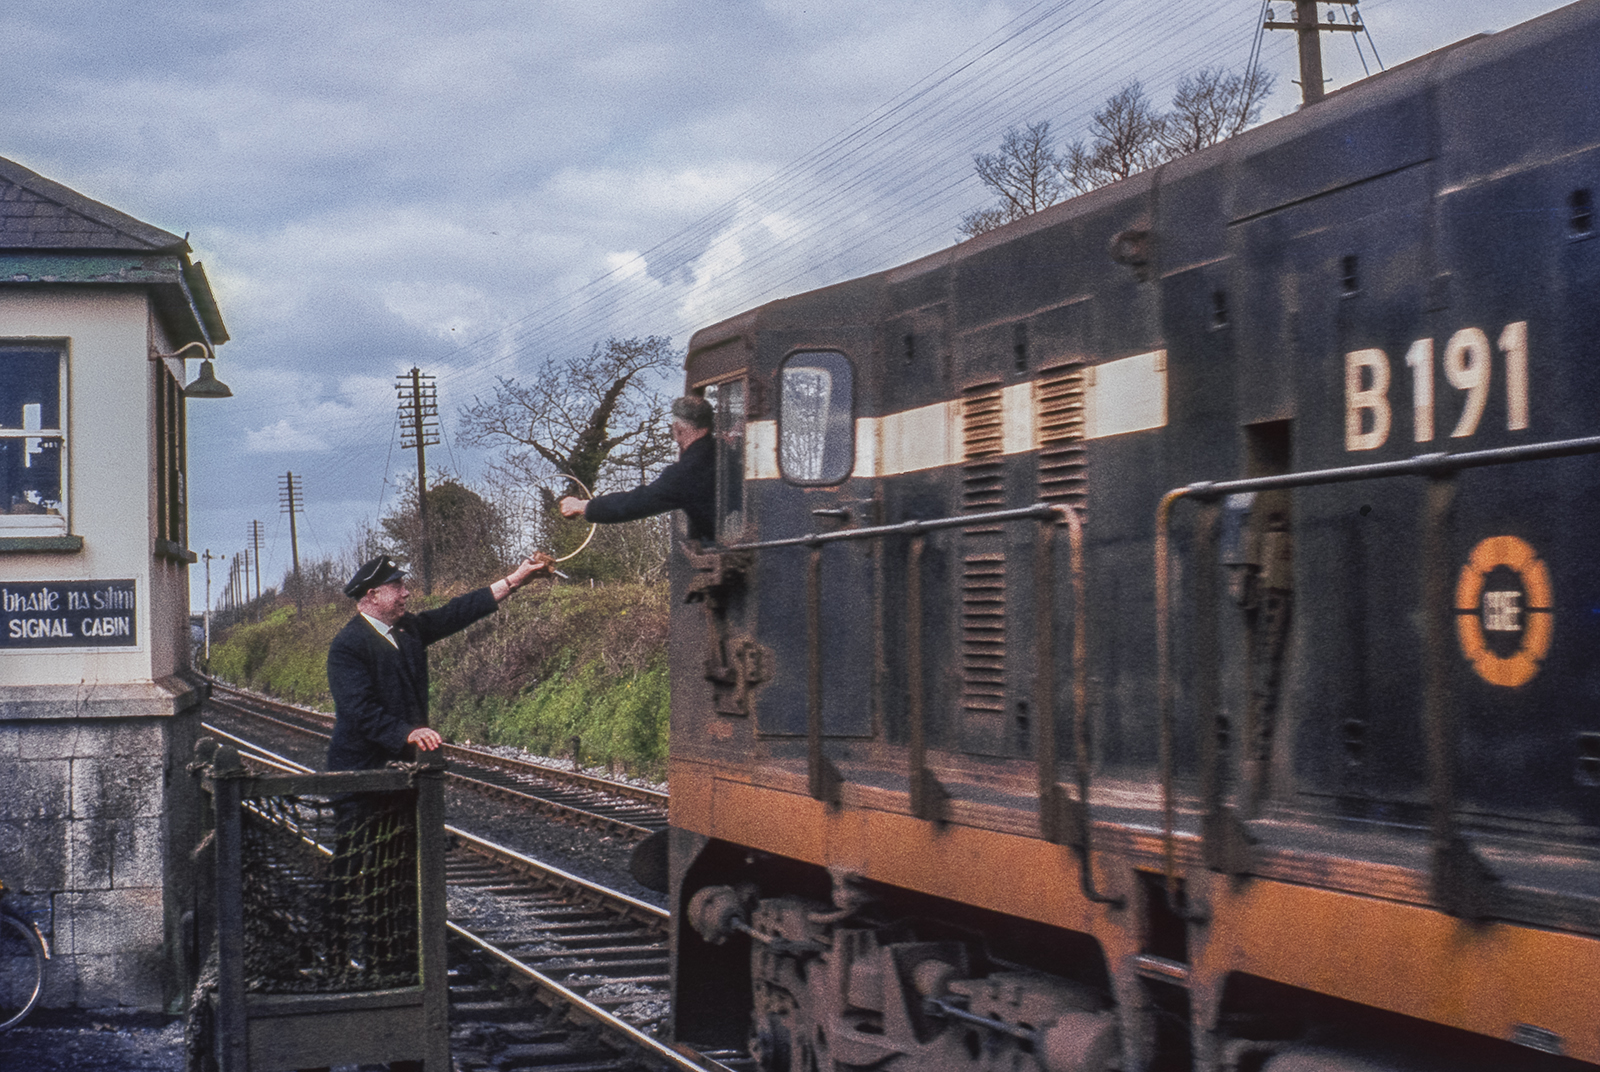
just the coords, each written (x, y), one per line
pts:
(1504, 613)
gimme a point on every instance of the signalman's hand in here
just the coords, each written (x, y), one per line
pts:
(537, 564)
(424, 738)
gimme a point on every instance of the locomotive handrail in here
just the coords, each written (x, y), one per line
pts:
(1060, 816)
(927, 795)
(1457, 877)
(1036, 512)
(1419, 465)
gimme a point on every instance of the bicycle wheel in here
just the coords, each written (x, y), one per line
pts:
(21, 971)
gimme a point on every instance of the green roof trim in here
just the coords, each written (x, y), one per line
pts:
(50, 234)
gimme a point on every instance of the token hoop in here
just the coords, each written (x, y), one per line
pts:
(592, 525)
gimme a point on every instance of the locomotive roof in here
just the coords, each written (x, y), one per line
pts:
(1408, 79)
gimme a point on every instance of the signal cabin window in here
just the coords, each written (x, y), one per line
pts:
(33, 491)
(172, 512)
(728, 403)
(816, 429)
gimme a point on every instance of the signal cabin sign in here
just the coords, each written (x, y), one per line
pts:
(68, 614)
(1505, 616)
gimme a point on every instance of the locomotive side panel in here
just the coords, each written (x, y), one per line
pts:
(1517, 240)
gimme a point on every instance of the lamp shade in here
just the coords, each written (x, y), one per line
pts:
(206, 385)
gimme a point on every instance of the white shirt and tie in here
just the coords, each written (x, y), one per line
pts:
(383, 630)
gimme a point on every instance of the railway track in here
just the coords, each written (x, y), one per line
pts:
(618, 808)
(547, 969)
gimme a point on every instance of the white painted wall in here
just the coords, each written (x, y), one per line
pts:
(110, 474)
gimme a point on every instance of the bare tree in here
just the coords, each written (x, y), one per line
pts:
(1125, 138)
(1211, 106)
(598, 419)
(980, 220)
(1027, 174)
(591, 418)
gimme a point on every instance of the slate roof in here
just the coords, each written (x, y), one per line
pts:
(54, 235)
(36, 213)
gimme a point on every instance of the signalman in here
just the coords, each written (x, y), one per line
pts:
(378, 663)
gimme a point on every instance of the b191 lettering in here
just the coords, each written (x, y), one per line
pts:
(1467, 366)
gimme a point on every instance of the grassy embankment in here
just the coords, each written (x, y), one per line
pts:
(573, 661)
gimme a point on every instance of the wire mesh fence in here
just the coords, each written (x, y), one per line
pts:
(327, 917)
(330, 893)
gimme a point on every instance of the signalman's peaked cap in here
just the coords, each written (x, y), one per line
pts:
(379, 571)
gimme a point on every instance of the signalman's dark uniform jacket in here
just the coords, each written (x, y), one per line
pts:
(380, 692)
(688, 484)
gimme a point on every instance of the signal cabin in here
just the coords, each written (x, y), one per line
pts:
(99, 703)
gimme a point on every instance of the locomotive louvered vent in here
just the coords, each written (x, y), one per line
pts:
(1062, 476)
(982, 443)
(983, 634)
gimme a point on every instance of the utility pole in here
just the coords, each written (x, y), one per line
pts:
(1309, 29)
(291, 501)
(419, 428)
(255, 543)
(207, 656)
(244, 577)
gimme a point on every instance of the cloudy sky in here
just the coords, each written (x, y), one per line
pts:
(475, 187)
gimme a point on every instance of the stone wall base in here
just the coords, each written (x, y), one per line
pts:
(97, 818)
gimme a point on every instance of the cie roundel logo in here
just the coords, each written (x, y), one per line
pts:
(1505, 616)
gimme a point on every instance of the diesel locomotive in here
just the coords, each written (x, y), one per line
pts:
(1164, 632)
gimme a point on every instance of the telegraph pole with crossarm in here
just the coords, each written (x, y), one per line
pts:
(255, 553)
(1309, 29)
(419, 428)
(291, 501)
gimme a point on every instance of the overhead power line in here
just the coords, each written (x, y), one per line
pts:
(889, 187)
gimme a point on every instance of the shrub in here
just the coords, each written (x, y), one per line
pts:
(567, 661)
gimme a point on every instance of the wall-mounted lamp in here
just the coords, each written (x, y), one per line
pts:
(206, 385)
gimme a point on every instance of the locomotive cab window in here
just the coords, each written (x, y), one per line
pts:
(816, 429)
(727, 402)
(32, 442)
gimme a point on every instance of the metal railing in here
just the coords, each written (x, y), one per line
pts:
(1062, 818)
(328, 913)
(1459, 881)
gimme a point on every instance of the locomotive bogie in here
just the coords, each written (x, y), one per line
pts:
(1158, 633)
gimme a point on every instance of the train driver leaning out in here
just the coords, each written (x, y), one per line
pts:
(378, 663)
(688, 484)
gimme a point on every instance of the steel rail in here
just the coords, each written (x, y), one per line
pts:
(564, 781)
(251, 750)
(632, 905)
(462, 752)
(581, 1006)
(545, 770)
(585, 892)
